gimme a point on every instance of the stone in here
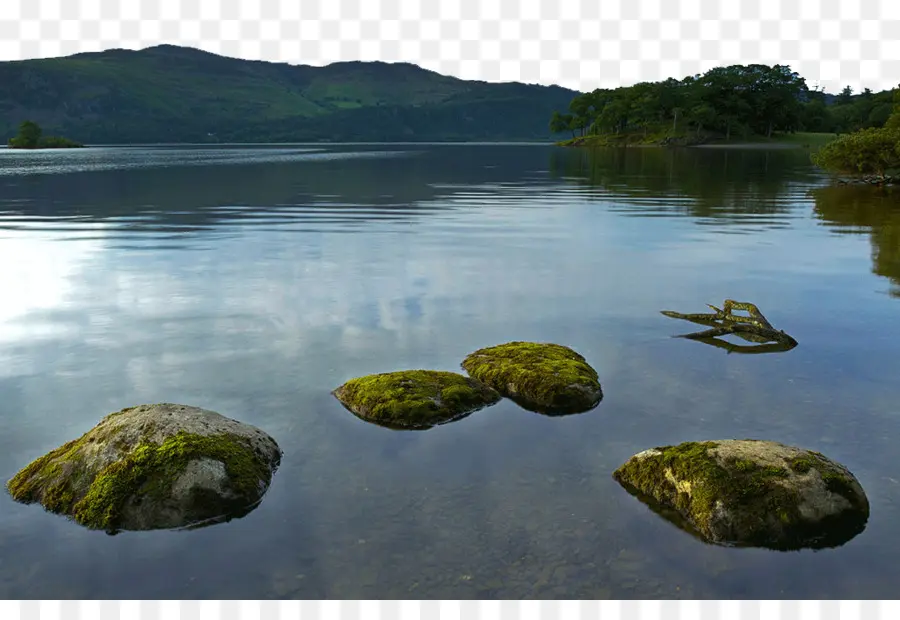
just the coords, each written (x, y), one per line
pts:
(751, 492)
(148, 467)
(414, 399)
(542, 377)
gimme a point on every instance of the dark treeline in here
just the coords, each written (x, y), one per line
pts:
(734, 101)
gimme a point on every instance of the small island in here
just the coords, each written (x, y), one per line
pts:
(31, 137)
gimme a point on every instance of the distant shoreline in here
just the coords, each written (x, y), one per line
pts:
(750, 145)
(798, 140)
(711, 145)
(304, 144)
(759, 146)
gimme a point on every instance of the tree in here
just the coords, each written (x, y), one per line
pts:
(727, 90)
(31, 137)
(582, 109)
(645, 105)
(614, 115)
(777, 98)
(815, 116)
(868, 153)
(845, 97)
(670, 100)
(562, 122)
(879, 115)
(893, 121)
(703, 115)
(28, 137)
(676, 112)
(737, 100)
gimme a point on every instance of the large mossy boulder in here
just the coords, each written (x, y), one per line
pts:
(414, 399)
(751, 492)
(541, 377)
(154, 467)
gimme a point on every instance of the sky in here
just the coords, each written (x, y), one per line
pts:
(580, 44)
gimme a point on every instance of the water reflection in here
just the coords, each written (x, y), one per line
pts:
(97, 159)
(256, 288)
(422, 426)
(854, 209)
(350, 182)
(730, 347)
(746, 188)
(837, 532)
(552, 413)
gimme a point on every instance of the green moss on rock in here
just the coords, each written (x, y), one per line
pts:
(147, 473)
(414, 399)
(542, 377)
(751, 493)
(26, 485)
(137, 470)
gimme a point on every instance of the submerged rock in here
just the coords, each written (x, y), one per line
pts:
(542, 377)
(414, 399)
(153, 467)
(752, 492)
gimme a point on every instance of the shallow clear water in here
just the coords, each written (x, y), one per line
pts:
(254, 280)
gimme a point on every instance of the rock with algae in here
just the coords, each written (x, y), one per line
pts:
(751, 492)
(542, 377)
(158, 466)
(414, 399)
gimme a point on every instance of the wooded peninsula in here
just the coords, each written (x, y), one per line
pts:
(859, 133)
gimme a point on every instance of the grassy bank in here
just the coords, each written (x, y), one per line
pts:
(806, 140)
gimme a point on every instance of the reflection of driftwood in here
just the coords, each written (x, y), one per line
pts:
(730, 347)
(753, 328)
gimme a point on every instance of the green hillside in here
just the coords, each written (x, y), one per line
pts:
(174, 94)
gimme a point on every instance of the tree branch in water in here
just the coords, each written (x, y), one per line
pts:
(753, 327)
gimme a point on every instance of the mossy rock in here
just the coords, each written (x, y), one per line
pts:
(414, 399)
(541, 377)
(751, 492)
(152, 467)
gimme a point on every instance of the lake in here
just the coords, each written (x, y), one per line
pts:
(254, 280)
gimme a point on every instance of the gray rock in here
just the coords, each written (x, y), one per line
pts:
(751, 492)
(154, 467)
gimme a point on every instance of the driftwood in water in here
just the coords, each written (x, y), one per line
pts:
(753, 328)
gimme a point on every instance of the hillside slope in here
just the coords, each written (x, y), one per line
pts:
(175, 94)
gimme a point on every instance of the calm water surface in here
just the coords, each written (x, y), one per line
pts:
(254, 280)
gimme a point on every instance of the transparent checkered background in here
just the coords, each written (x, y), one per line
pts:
(581, 44)
(450, 610)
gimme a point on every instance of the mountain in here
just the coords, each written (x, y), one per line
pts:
(176, 94)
